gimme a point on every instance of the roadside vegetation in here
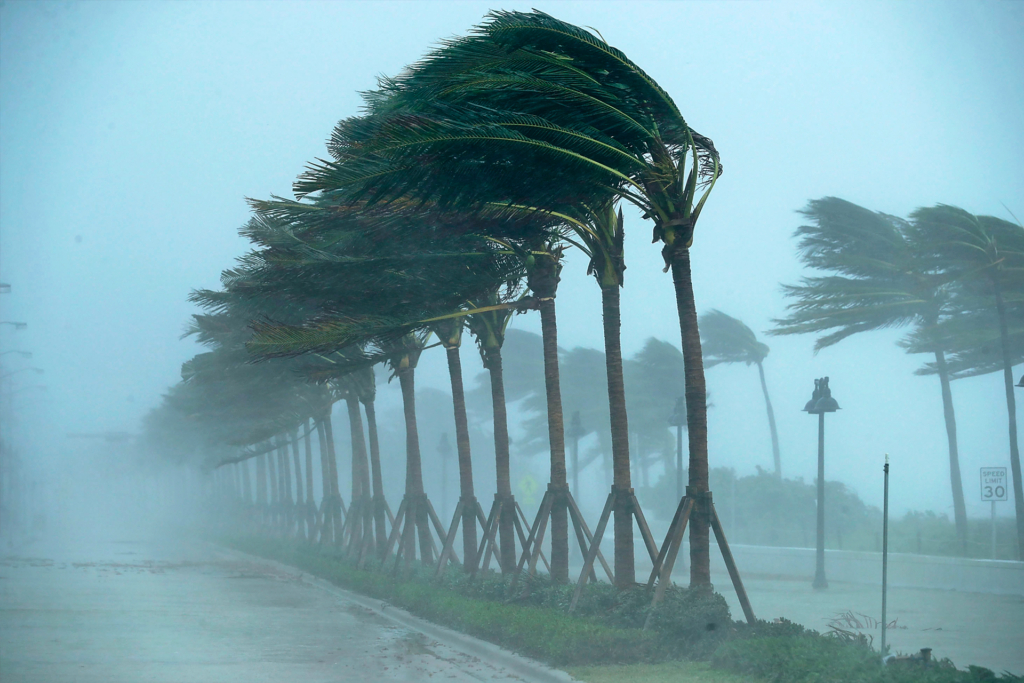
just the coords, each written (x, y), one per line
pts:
(690, 637)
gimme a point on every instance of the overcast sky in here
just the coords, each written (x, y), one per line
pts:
(131, 133)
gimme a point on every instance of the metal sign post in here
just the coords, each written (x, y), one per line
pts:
(885, 546)
(993, 488)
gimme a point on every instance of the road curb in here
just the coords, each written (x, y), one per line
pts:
(529, 669)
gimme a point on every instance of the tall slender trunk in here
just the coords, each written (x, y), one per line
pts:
(556, 438)
(696, 417)
(300, 498)
(360, 467)
(381, 534)
(959, 508)
(332, 462)
(275, 498)
(414, 470)
(466, 492)
(771, 423)
(360, 471)
(1011, 408)
(310, 500)
(625, 572)
(506, 525)
(326, 492)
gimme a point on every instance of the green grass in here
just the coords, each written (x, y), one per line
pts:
(663, 672)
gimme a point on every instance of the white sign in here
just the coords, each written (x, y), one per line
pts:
(993, 483)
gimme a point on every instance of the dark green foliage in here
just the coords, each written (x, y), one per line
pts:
(787, 653)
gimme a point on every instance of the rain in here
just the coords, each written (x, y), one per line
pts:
(650, 341)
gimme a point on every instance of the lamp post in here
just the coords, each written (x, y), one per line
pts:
(677, 419)
(576, 432)
(821, 402)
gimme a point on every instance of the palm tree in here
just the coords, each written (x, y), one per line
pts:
(533, 112)
(875, 278)
(727, 340)
(986, 257)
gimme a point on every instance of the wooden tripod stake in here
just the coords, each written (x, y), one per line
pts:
(620, 497)
(666, 559)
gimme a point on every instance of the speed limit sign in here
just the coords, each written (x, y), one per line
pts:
(993, 483)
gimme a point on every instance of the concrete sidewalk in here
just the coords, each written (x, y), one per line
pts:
(140, 611)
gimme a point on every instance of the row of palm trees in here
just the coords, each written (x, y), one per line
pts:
(447, 206)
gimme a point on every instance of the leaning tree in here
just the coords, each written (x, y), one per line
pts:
(533, 112)
(873, 276)
(726, 339)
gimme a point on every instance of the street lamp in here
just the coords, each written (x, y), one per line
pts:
(677, 419)
(23, 354)
(575, 432)
(821, 402)
(17, 326)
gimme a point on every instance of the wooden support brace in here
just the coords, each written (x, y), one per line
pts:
(588, 563)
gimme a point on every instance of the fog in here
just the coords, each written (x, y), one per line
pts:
(131, 135)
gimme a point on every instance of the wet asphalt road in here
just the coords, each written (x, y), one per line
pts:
(135, 611)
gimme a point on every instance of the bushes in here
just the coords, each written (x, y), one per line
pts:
(787, 653)
(606, 627)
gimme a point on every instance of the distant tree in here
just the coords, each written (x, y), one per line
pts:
(985, 256)
(725, 339)
(874, 277)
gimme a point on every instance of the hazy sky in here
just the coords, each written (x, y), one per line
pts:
(131, 132)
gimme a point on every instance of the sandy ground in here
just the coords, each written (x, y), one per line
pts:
(968, 628)
(134, 612)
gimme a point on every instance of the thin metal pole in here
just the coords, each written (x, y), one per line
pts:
(885, 547)
(819, 569)
(993, 530)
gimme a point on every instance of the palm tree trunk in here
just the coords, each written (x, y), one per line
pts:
(1011, 407)
(310, 501)
(275, 498)
(414, 471)
(556, 438)
(332, 463)
(696, 417)
(771, 424)
(327, 493)
(261, 487)
(959, 508)
(300, 498)
(625, 571)
(360, 469)
(506, 524)
(466, 493)
(381, 534)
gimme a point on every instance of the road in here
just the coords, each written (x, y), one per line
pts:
(136, 611)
